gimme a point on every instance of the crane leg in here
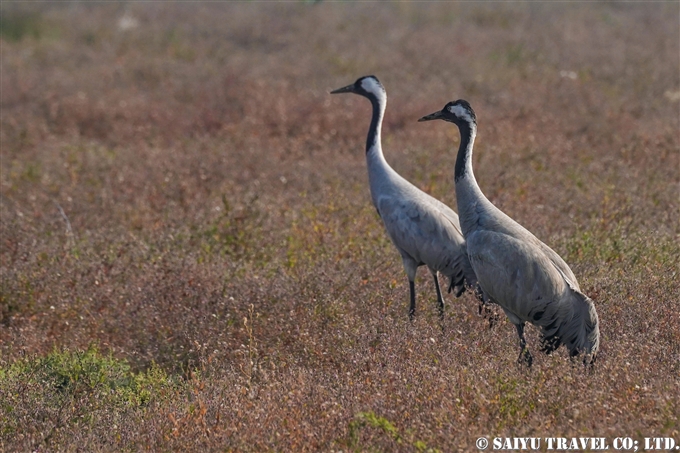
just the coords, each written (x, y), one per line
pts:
(412, 307)
(440, 299)
(524, 354)
(411, 266)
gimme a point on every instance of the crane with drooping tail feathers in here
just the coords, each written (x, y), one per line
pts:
(514, 269)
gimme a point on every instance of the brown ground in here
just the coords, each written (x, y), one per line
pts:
(184, 192)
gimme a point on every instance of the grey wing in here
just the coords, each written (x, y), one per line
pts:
(530, 287)
(562, 267)
(520, 232)
(425, 234)
(502, 223)
(462, 274)
(514, 275)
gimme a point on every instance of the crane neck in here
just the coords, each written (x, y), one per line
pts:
(469, 197)
(463, 169)
(373, 138)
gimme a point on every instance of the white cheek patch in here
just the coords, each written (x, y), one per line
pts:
(372, 86)
(461, 112)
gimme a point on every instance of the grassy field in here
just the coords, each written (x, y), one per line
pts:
(190, 260)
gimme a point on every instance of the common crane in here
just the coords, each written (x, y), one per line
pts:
(424, 230)
(515, 269)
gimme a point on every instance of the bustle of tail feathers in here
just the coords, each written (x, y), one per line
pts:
(461, 282)
(580, 334)
(457, 284)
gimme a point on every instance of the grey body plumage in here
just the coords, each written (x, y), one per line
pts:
(515, 269)
(424, 230)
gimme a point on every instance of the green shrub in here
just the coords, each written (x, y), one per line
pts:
(64, 388)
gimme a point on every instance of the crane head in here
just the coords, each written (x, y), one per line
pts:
(458, 112)
(367, 86)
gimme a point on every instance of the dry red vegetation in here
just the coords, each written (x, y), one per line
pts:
(167, 167)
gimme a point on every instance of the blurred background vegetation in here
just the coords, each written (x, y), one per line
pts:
(190, 260)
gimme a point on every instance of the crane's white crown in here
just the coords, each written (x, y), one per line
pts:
(461, 112)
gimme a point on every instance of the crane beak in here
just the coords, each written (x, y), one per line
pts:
(347, 89)
(431, 116)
